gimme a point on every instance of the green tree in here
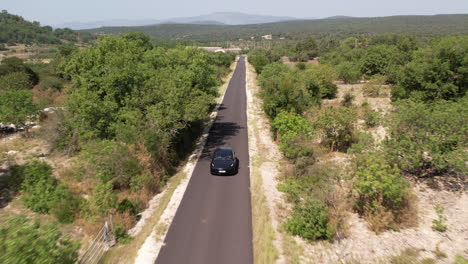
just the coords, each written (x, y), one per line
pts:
(259, 61)
(17, 107)
(429, 138)
(14, 64)
(438, 72)
(307, 47)
(378, 58)
(348, 72)
(15, 81)
(337, 125)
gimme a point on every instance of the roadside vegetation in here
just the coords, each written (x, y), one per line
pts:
(335, 164)
(131, 113)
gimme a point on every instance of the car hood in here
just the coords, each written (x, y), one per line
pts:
(222, 164)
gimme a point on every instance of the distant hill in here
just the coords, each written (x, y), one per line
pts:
(219, 18)
(15, 29)
(108, 23)
(231, 18)
(342, 27)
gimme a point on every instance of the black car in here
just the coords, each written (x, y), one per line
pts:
(224, 162)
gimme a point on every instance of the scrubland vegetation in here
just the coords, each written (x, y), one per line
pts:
(426, 129)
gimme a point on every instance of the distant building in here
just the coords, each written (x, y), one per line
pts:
(267, 37)
(212, 49)
(220, 49)
(233, 49)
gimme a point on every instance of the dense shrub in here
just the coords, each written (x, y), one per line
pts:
(41, 192)
(364, 142)
(429, 138)
(348, 99)
(376, 183)
(38, 186)
(309, 220)
(324, 76)
(292, 131)
(24, 242)
(292, 90)
(378, 58)
(17, 107)
(259, 61)
(349, 72)
(103, 200)
(337, 125)
(14, 64)
(15, 81)
(281, 90)
(437, 72)
(371, 117)
(112, 161)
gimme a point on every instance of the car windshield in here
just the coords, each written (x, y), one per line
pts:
(223, 155)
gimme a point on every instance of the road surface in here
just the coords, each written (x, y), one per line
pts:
(213, 224)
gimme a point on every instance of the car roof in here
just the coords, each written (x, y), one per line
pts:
(223, 149)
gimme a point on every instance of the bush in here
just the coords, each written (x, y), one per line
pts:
(348, 99)
(259, 62)
(103, 200)
(301, 66)
(375, 87)
(15, 81)
(24, 242)
(337, 126)
(112, 162)
(371, 118)
(439, 224)
(293, 131)
(377, 183)
(309, 220)
(121, 235)
(324, 76)
(283, 90)
(38, 186)
(42, 192)
(65, 206)
(437, 72)
(348, 72)
(364, 143)
(429, 138)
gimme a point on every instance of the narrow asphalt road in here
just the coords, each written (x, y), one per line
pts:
(213, 224)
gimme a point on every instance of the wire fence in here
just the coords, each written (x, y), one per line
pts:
(103, 241)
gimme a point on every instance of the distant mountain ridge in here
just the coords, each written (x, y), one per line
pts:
(218, 18)
(436, 25)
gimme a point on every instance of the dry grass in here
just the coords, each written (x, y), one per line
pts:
(383, 219)
(263, 232)
(408, 256)
(291, 249)
(127, 253)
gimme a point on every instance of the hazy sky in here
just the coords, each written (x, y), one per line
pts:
(59, 11)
